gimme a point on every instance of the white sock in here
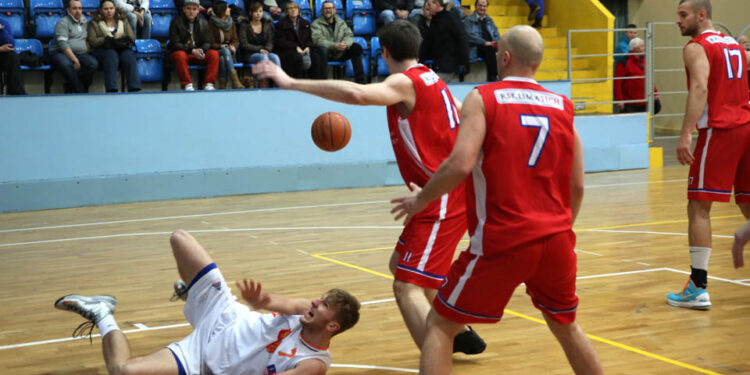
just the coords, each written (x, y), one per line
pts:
(107, 324)
(699, 257)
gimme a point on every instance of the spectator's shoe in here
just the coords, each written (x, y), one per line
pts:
(534, 11)
(690, 297)
(189, 87)
(221, 83)
(180, 291)
(209, 87)
(468, 342)
(537, 23)
(93, 309)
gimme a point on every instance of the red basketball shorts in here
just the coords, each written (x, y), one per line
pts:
(478, 287)
(722, 160)
(426, 250)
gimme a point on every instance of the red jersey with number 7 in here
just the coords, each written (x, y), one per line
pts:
(425, 138)
(519, 190)
(728, 104)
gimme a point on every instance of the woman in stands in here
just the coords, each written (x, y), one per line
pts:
(256, 38)
(224, 39)
(112, 39)
(293, 41)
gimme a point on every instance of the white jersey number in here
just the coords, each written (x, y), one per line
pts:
(541, 122)
(728, 55)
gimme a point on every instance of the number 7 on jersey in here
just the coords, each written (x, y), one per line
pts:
(541, 122)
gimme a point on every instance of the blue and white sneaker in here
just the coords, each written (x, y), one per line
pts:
(690, 297)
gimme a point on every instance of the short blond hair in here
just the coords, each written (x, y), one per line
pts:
(346, 307)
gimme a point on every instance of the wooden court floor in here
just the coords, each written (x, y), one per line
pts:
(632, 251)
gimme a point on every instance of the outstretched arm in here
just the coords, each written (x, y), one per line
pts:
(253, 294)
(396, 88)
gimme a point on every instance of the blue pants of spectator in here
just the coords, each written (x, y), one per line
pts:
(226, 62)
(258, 57)
(541, 7)
(77, 81)
(145, 29)
(111, 61)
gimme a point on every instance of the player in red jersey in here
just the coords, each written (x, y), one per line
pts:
(525, 158)
(718, 105)
(423, 120)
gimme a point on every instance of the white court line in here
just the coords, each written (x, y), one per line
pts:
(649, 232)
(272, 209)
(192, 216)
(589, 252)
(35, 343)
(144, 234)
(369, 367)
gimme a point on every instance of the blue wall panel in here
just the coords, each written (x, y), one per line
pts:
(63, 151)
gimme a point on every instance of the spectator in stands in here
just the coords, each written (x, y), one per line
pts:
(190, 42)
(391, 10)
(483, 37)
(111, 40)
(744, 42)
(10, 64)
(624, 45)
(334, 40)
(536, 12)
(445, 43)
(634, 88)
(256, 37)
(423, 19)
(224, 39)
(293, 41)
(69, 50)
(138, 15)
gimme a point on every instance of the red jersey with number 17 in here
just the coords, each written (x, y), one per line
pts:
(519, 190)
(728, 98)
(426, 137)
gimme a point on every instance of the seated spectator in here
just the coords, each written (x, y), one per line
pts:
(256, 38)
(423, 19)
(190, 43)
(69, 50)
(224, 39)
(112, 40)
(334, 40)
(483, 37)
(445, 43)
(138, 15)
(624, 45)
(635, 88)
(391, 10)
(536, 12)
(292, 41)
(10, 64)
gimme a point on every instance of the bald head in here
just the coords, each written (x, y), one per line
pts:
(698, 5)
(525, 45)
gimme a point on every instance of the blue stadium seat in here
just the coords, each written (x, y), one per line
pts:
(376, 52)
(150, 60)
(45, 14)
(304, 9)
(35, 46)
(238, 3)
(362, 16)
(162, 12)
(13, 12)
(89, 7)
(337, 3)
(349, 72)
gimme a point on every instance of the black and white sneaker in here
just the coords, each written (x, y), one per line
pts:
(180, 291)
(93, 309)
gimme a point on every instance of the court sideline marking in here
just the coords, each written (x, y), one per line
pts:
(271, 209)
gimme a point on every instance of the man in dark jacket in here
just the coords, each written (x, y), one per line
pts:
(190, 43)
(9, 61)
(445, 43)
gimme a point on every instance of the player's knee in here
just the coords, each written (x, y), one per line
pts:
(402, 289)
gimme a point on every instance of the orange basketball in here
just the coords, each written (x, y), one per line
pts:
(331, 131)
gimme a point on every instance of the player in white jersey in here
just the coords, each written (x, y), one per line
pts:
(227, 338)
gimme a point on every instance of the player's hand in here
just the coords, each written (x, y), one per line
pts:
(6, 47)
(408, 205)
(684, 156)
(740, 239)
(253, 294)
(267, 69)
